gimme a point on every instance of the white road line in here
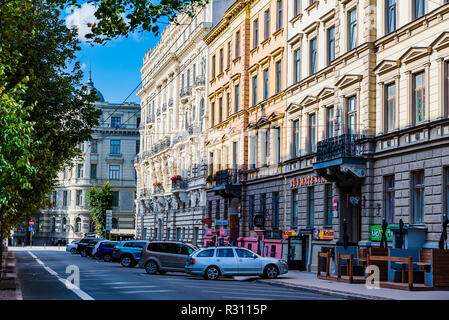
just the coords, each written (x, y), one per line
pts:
(121, 282)
(133, 287)
(80, 293)
(147, 291)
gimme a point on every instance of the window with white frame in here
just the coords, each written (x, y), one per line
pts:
(352, 29)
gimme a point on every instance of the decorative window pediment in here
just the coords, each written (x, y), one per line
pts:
(275, 116)
(415, 53)
(261, 121)
(325, 92)
(386, 65)
(253, 68)
(295, 39)
(264, 61)
(293, 107)
(308, 100)
(348, 79)
(441, 42)
(312, 29)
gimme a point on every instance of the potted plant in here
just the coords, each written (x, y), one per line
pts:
(175, 178)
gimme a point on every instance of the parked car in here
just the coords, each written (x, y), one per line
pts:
(71, 247)
(163, 256)
(128, 252)
(104, 250)
(233, 261)
(90, 246)
(83, 244)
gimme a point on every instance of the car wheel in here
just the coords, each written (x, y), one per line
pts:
(212, 273)
(271, 272)
(83, 253)
(151, 267)
(73, 251)
(107, 258)
(126, 261)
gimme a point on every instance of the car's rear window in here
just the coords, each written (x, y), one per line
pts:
(206, 253)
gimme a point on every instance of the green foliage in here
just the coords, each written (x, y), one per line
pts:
(121, 17)
(99, 199)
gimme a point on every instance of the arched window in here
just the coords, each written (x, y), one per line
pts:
(78, 224)
(201, 107)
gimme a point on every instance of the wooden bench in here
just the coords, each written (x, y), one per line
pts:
(327, 256)
(403, 260)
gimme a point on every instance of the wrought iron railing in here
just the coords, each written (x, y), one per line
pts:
(345, 145)
(226, 177)
(179, 184)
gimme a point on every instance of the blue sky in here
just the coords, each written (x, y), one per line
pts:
(116, 65)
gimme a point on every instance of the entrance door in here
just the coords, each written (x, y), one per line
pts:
(351, 211)
(296, 253)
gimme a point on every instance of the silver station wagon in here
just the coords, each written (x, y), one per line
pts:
(213, 262)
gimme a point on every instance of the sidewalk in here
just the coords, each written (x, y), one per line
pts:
(308, 281)
(9, 284)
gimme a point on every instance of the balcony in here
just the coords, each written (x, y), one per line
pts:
(228, 183)
(185, 93)
(199, 80)
(341, 158)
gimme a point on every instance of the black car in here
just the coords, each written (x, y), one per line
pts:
(82, 245)
(87, 252)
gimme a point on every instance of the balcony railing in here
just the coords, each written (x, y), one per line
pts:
(200, 80)
(186, 91)
(227, 177)
(179, 184)
(343, 146)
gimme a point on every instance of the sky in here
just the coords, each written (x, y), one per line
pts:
(116, 65)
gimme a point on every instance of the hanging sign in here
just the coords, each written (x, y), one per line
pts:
(376, 232)
(207, 232)
(223, 232)
(288, 233)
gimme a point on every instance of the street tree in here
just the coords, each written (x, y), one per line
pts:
(99, 199)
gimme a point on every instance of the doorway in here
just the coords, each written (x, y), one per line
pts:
(296, 254)
(350, 208)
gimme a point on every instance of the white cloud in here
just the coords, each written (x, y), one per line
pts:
(80, 17)
(83, 66)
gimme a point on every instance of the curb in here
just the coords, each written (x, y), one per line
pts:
(333, 293)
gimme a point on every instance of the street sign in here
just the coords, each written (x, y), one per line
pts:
(335, 204)
(31, 223)
(221, 222)
(31, 228)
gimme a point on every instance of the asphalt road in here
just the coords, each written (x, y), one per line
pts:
(42, 274)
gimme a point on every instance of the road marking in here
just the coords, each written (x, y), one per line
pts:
(147, 291)
(122, 282)
(133, 287)
(80, 293)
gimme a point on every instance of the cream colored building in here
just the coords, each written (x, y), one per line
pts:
(174, 116)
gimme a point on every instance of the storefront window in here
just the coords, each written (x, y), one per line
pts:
(447, 192)
(389, 199)
(275, 221)
(295, 198)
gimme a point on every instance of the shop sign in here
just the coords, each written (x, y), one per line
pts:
(376, 232)
(320, 234)
(306, 181)
(207, 232)
(288, 233)
(221, 222)
(223, 232)
(207, 221)
(259, 221)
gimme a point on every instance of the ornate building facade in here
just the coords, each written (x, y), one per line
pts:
(171, 165)
(107, 157)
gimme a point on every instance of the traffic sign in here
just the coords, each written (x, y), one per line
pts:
(31, 228)
(31, 223)
(335, 204)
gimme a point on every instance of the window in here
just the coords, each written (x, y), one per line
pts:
(64, 198)
(267, 144)
(115, 198)
(137, 146)
(278, 144)
(217, 210)
(206, 253)
(80, 171)
(390, 106)
(419, 8)
(63, 223)
(79, 197)
(115, 147)
(329, 204)
(295, 203)
(212, 114)
(310, 206)
(419, 97)
(221, 60)
(267, 23)
(275, 221)
(312, 132)
(446, 87)
(297, 7)
(418, 197)
(237, 44)
(297, 65)
(114, 172)
(255, 33)
(225, 253)
(296, 137)
(236, 98)
(115, 122)
(94, 146)
(225, 209)
(352, 29)
(251, 211)
(178, 234)
(209, 211)
(254, 90)
(213, 67)
(93, 171)
(78, 224)
(253, 144)
(55, 197)
(330, 45)
(235, 154)
(228, 56)
(265, 84)
(188, 72)
(313, 57)
(243, 253)
(446, 190)
(263, 204)
(278, 76)
(279, 15)
(390, 16)
(352, 114)
(220, 110)
(330, 122)
(389, 198)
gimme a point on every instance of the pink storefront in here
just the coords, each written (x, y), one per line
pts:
(262, 245)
